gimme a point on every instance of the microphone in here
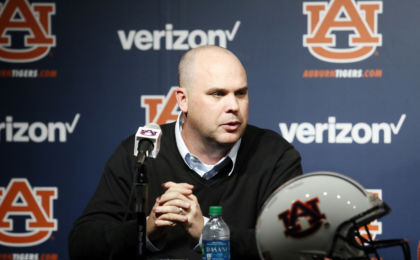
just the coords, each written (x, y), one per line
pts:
(147, 142)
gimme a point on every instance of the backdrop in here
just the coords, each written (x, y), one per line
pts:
(337, 78)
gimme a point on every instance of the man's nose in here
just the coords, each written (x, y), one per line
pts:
(232, 103)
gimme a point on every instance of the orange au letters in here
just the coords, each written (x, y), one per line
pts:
(160, 109)
(37, 203)
(19, 15)
(342, 15)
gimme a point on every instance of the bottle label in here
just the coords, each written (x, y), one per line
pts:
(216, 249)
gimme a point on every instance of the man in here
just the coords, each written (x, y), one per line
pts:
(210, 156)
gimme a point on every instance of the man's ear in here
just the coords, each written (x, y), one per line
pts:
(182, 99)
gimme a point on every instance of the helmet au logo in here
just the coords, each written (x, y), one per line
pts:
(19, 199)
(17, 16)
(325, 19)
(293, 218)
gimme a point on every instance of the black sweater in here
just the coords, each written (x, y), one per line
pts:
(265, 161)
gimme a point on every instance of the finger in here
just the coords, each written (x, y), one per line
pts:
(167, 196)
(171, 184)
(192, 197)
(169, 209)
(193, 200)
(163, 223)
(180, 190)
(177, 203)
(172, 217)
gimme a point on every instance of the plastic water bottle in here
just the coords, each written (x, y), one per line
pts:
(216, 237)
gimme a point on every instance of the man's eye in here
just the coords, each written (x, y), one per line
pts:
(218, 94)
(241, 93)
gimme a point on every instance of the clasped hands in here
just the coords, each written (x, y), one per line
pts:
(176, 206)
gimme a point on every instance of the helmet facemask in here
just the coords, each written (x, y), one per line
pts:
(354, 246)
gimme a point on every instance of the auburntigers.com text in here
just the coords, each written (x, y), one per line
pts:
(28, 73)
(28, 256)
(343, 73)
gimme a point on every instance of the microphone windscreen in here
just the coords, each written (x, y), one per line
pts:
(150, 132)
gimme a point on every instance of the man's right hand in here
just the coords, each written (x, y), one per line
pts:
(168, 209)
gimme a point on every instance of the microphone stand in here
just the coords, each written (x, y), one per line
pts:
(141, 186)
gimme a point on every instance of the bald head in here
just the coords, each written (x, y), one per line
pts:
(213, 97)
(203, 57)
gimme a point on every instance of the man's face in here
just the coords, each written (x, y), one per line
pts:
(218, 100)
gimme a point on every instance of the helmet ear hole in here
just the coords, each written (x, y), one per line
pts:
(316, 216)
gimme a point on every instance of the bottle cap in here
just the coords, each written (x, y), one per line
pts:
(216, 210)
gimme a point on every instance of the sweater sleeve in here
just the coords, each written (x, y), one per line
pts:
(101, 232)
(287, 167)
(243, 242)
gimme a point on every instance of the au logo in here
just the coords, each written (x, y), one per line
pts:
(326, 19)
(17, 16)
(20, 199)
(375, 227)
(308, 210)
(160, 109)
(148, 132)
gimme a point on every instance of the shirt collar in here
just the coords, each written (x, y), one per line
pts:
(186, 155)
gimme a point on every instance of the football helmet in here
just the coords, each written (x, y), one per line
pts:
(319, 216)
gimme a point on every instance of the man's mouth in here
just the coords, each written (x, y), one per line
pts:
(231, 126)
